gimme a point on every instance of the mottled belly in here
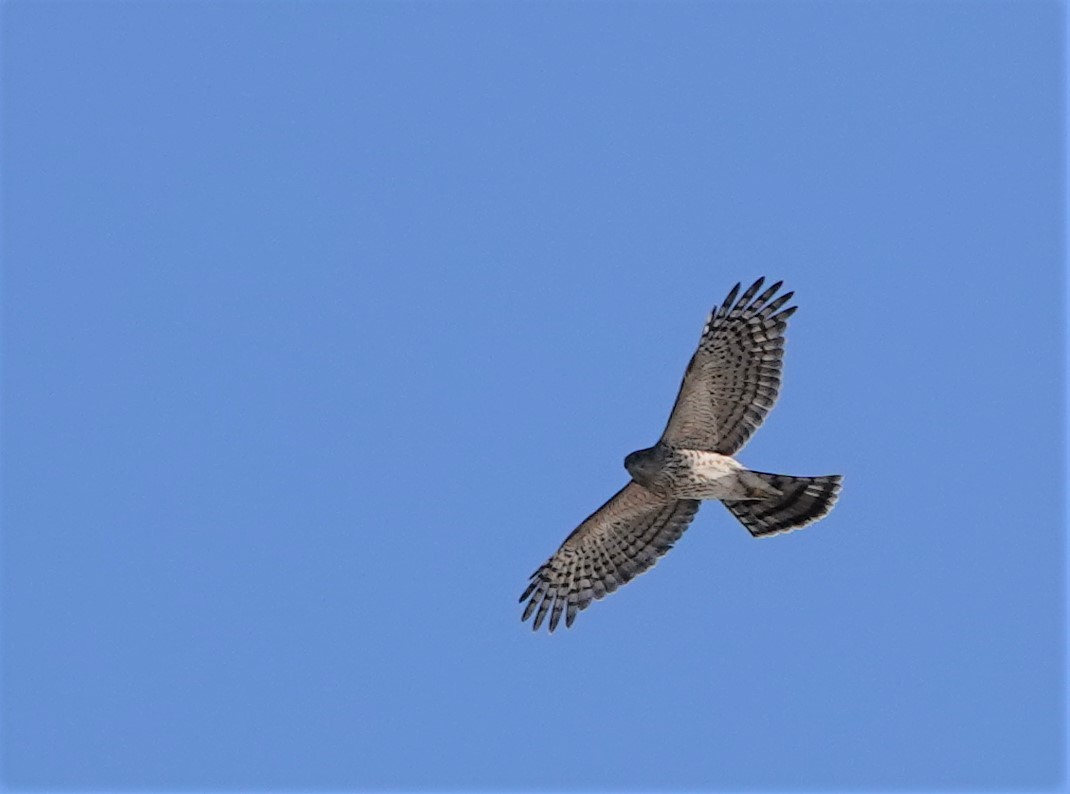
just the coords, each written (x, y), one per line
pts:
(707, 475)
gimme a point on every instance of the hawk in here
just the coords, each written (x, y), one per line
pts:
(730, 385)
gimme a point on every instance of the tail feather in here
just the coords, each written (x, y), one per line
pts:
(802, 501)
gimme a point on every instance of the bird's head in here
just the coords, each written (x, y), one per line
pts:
(644, 464)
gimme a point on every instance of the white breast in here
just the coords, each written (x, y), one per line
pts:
(710, 465)
(709, 476)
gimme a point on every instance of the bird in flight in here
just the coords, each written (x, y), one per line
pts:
(730, 385)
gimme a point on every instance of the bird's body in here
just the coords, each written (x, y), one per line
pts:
(730, 385)
(675, 473)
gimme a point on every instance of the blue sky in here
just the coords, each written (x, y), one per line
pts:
(325, 323)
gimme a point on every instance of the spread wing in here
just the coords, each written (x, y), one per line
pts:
(623, 538)
(733, 379)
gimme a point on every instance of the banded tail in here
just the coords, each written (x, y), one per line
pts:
(802, 501)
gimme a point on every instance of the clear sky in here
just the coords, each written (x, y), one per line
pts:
(324, 323)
